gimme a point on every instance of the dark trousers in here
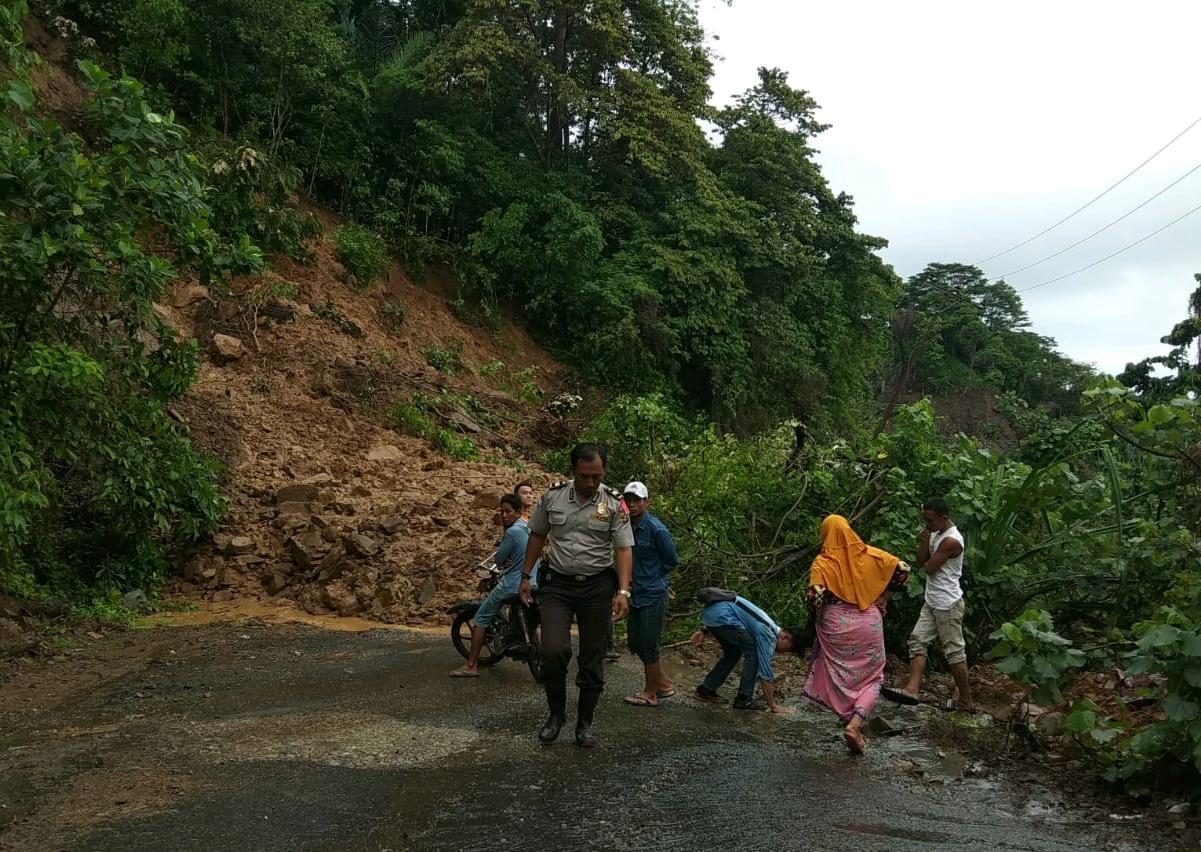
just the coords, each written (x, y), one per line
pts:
(645, 629)
(735, 645)
(591, 603)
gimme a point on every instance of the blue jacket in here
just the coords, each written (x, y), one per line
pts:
(744, 615)
(510, 556)
(654, 555)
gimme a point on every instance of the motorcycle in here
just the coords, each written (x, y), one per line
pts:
(514, 633)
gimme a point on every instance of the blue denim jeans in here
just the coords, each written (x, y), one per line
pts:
(507, 588)
(735, 644)
(645, 629)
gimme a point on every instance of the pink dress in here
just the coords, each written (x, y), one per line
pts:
(847, 668)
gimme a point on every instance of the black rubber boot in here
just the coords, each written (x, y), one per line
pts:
(556, 700)
(584, 737)
(550, 728)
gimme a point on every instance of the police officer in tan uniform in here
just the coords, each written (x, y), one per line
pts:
(580, 529)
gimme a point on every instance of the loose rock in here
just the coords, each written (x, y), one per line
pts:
(186, 295)
(239, 545)
(485, 500)
(360, 545)
(303, 549)
(227, 349)
(275, 582)
(332, 565)
(301, 492)
(387, 452)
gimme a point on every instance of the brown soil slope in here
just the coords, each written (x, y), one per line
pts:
(329, 507)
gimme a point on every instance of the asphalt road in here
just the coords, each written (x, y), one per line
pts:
(293, 738)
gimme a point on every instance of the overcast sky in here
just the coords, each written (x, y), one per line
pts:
(962, 128)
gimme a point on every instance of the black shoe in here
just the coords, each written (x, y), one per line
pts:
(550, 730)
(709, 695)
(583, 735)
(741, 703)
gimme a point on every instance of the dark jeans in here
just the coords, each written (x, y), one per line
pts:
(591, 603)
(645, 629)
(735, 644)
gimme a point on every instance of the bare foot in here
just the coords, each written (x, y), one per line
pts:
(856, 742)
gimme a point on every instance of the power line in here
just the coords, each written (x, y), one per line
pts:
(1102, 229)
(1114, 254)
(1093, 201)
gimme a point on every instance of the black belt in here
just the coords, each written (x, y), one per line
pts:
(578, 578)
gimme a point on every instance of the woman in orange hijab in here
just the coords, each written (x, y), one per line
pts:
(849, 587)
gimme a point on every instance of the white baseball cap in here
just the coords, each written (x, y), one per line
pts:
(638, 490)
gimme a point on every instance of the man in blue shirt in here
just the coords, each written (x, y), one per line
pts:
(745, 632)
(654, 555)
(510, 556)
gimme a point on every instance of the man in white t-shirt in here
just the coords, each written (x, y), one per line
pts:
(940, 553)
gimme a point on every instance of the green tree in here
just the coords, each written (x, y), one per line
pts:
(96, 482)
(1183, 362)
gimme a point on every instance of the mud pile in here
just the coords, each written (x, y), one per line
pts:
(329, 507)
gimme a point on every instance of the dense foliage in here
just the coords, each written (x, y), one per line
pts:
(956, 329)
(96, 482)
(554, 152)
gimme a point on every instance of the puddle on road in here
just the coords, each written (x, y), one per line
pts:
(348, 740)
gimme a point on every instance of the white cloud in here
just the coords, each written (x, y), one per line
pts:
(962, 128)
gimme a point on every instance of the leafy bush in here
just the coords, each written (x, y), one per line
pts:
(522, 385)
(363, 253)
(643, 433)
(445, 359)
(408, 419)
(251, 194)
(1031, 652)
(1168, 647)
(455, 445)
(286, 290)
(97, 483)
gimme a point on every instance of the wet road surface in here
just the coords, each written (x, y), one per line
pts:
(249, 737)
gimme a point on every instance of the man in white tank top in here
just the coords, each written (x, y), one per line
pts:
(940, 553)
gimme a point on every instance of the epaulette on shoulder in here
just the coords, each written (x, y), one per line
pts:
(611, 491)
(561, 484)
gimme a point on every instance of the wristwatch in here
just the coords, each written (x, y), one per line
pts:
(625, 592)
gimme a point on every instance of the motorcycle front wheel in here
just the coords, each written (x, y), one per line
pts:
(460, 635)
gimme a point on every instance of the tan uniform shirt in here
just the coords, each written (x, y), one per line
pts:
(581, 535)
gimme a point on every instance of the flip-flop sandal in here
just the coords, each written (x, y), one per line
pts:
(899, 696)
(667, 693)
(639, 701)
(464, 673)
